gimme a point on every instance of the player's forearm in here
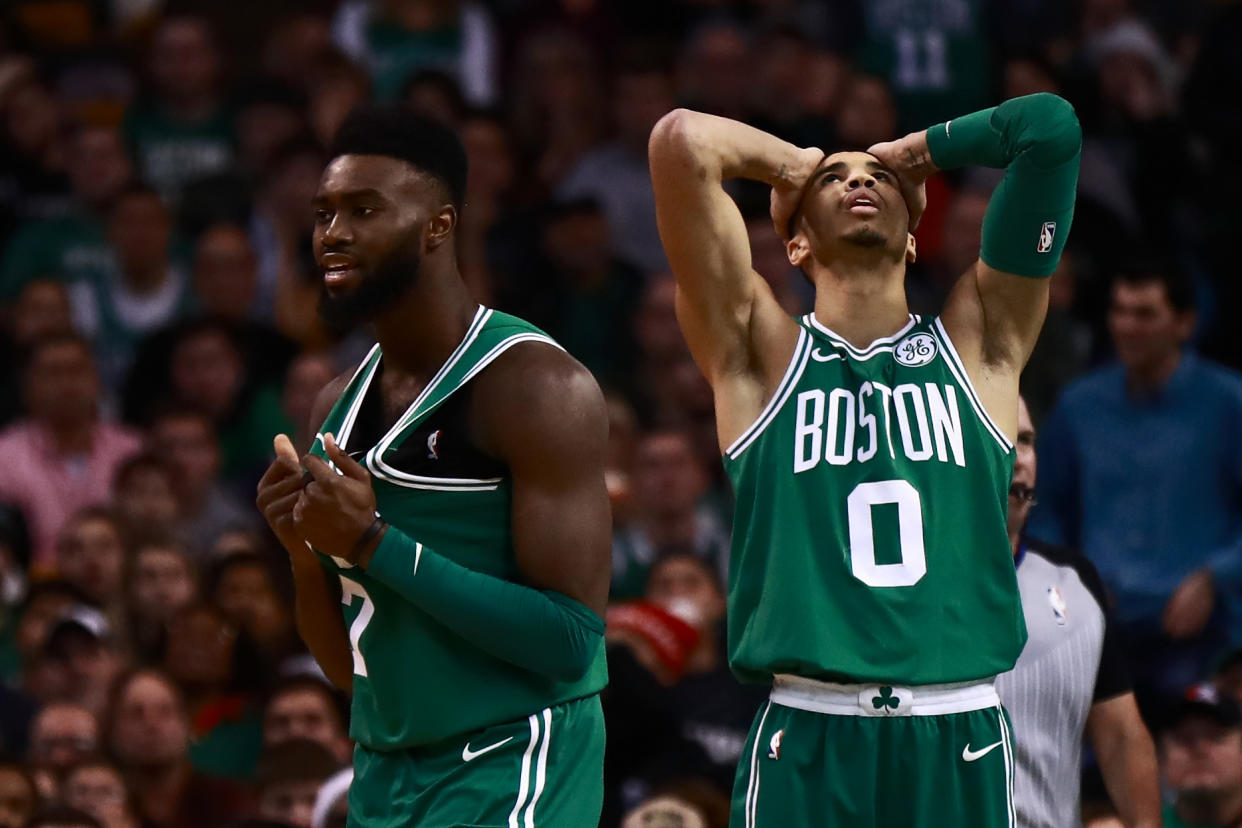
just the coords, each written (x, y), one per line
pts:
(1038, 140)
(545, 632)
(1127, 761)
(318, 616)
(720, 148)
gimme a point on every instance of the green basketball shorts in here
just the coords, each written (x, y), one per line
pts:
(546, 770)
(857, 756)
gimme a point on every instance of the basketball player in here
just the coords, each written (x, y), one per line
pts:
(455, 493)
(870, 451)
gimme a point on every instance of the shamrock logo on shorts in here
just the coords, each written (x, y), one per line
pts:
(885, 699)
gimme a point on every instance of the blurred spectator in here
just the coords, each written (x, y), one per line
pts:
(622, 433)
(148, 733)
(1201, 753)
(143, 289)
(768, 258)
(206, 509)
(302, 708)
(73, 246)
(686, 804)
(715, 69)
(668, 482)
(616, 175)
(61, 816)
(557, 108)
(435, 94)
(14, 566)
(491, 226)
(290, 775)
(269, 115)
(583, 295)
(1128, 478)
(307, 376)
(40, 311)
(396, 38)
(61, 736)
(868, 112)
(1064, 343)
(242, 585)
(661, 345)
(182, 132)
(786, 63)
(332, 801)
(220, 674)
(84, 657)
(44, 604)
(1071, 678)
(61, 457)
(32, 173)
(162, 581)
(647, 652)
(143, 495)
(1228, 676)
(225, 272)
(92, 554)
(97, 787)
(343, 87)
(18, 797)
(936, 56)
(208, 372)
(714, 710)
(298, 48)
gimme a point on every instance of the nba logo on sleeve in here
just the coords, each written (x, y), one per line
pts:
(1045, 237)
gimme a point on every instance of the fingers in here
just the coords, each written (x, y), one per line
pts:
(284, 448)
(348, 465)
(318, 469)
(280, 468)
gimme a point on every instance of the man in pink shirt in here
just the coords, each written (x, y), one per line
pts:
(60, 457)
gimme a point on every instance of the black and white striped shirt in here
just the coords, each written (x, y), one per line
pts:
(1071, 661)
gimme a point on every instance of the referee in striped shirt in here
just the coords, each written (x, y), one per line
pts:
(1071, 676)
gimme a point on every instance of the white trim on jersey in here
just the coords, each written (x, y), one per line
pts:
(351, 413)
(958, 369)
(797, 363)
(752, 785)
(855, 351)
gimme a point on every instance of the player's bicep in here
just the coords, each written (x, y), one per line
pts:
(552, 432)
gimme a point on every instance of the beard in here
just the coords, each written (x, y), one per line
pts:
(391, 281)
(866, 236)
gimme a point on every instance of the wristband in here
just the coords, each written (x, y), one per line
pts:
(374, 529)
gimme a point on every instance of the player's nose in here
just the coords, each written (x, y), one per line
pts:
(860, 179)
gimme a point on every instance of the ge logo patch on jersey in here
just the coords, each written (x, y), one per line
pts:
(1046, 234)
(915, 350)
(1057, 602)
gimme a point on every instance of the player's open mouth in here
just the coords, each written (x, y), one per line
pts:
(861, 204)
(338, 269)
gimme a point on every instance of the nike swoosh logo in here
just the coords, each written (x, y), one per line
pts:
(818, 356)
(969, 755)
(468, 755)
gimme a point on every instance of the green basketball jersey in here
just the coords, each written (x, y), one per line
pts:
(415, 681)
(869, 540)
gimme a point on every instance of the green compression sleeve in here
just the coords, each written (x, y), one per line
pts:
(542, 631)
(1038, 141)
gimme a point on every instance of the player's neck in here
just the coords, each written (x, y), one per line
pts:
(861, 304)
(429, 322)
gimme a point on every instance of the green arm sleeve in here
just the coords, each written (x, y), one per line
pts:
(1038, 141)
(541, 631)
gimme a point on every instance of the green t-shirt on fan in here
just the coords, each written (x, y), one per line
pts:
(69, 249)
(170, 153)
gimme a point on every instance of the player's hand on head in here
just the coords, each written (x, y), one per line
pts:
(278, 491)
(790, 188)
(334, 509)
(911, 160)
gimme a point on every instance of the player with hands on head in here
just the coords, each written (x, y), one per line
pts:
(449, 528)
(870, 451)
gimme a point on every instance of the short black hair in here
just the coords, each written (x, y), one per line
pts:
(1144, 270)
(398, 132)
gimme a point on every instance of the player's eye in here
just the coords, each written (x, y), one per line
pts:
(363, 212)
(323, 216)
(829, 178)
(881, 176)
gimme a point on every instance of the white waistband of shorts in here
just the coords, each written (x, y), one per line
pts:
(882, 700)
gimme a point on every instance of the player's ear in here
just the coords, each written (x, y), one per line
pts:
(912, 252)
(440, 227)
(798, 249)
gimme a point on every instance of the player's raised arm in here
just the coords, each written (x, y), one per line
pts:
(719, 294)
(997, 309)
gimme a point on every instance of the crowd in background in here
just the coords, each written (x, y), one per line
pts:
(158, 298)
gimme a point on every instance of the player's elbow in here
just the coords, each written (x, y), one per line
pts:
(1054, 133)
(676, 142)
